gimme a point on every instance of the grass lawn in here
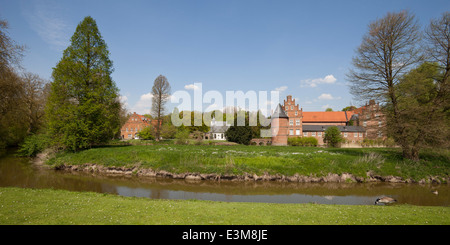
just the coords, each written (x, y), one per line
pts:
(20, 206)
(240, 160)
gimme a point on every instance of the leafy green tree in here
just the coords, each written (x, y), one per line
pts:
(333, 136)
(239, 134)
(418, 92)
(329, 109)
(147, 133)
(12, 127)
(83, 106)
(349, 108)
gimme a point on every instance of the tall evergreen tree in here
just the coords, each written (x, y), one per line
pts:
(83, 106)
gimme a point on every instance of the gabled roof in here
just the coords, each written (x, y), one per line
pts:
(325, 116)
(279, 112)
(219, 129)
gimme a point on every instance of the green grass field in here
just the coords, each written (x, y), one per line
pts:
(240, 160)
(20, 206)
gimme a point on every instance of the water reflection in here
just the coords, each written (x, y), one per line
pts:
(20, 172)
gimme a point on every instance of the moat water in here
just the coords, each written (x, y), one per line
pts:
(20, 172)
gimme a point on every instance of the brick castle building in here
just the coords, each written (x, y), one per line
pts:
(135, 124)
(289, 120)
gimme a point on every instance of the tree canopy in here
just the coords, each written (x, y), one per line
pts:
(83, 106)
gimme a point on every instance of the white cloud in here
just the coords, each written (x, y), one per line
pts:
(325, 97)
(124, 100)
(144, 104)
(281, 89)
(328, 97)
(46, 19)
(191, 87)
(329, 79)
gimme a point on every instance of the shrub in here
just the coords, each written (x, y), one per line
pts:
(239, 134)
(147, 133)
(303, 141)
(182, 136)
(333, 136)
(34, 144)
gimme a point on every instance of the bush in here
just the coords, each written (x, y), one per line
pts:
(333, 136)
(34, 144)
(389, 142)
(239, 134)
(147, 133)
(303, 141)
(182, 136)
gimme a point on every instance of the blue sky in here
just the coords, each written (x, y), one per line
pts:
(302, 48)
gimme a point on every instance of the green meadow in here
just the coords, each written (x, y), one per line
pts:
(57, 207)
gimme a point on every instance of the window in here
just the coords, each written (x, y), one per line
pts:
(297, 132)
(297, 122)
(380, 134)
(365, 124)
(292, 107)
(313, 133)
(379, 123)
(305, 134)
(296, 113)
(319, 134)
(345, 134)
(291, 132)
(360, 134)
(127, 129)
(291, 122)
(129, 136)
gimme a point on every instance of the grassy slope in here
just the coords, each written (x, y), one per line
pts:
(241, 159)
(34, 206)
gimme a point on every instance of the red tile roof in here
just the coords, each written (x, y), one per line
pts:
(326, 116)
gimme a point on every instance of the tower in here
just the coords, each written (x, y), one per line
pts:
(279, 126)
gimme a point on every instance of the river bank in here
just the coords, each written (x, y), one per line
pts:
(255, 163)
(331, 177)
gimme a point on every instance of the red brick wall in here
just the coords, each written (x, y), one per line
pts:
(134, 124)
(279, 128)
